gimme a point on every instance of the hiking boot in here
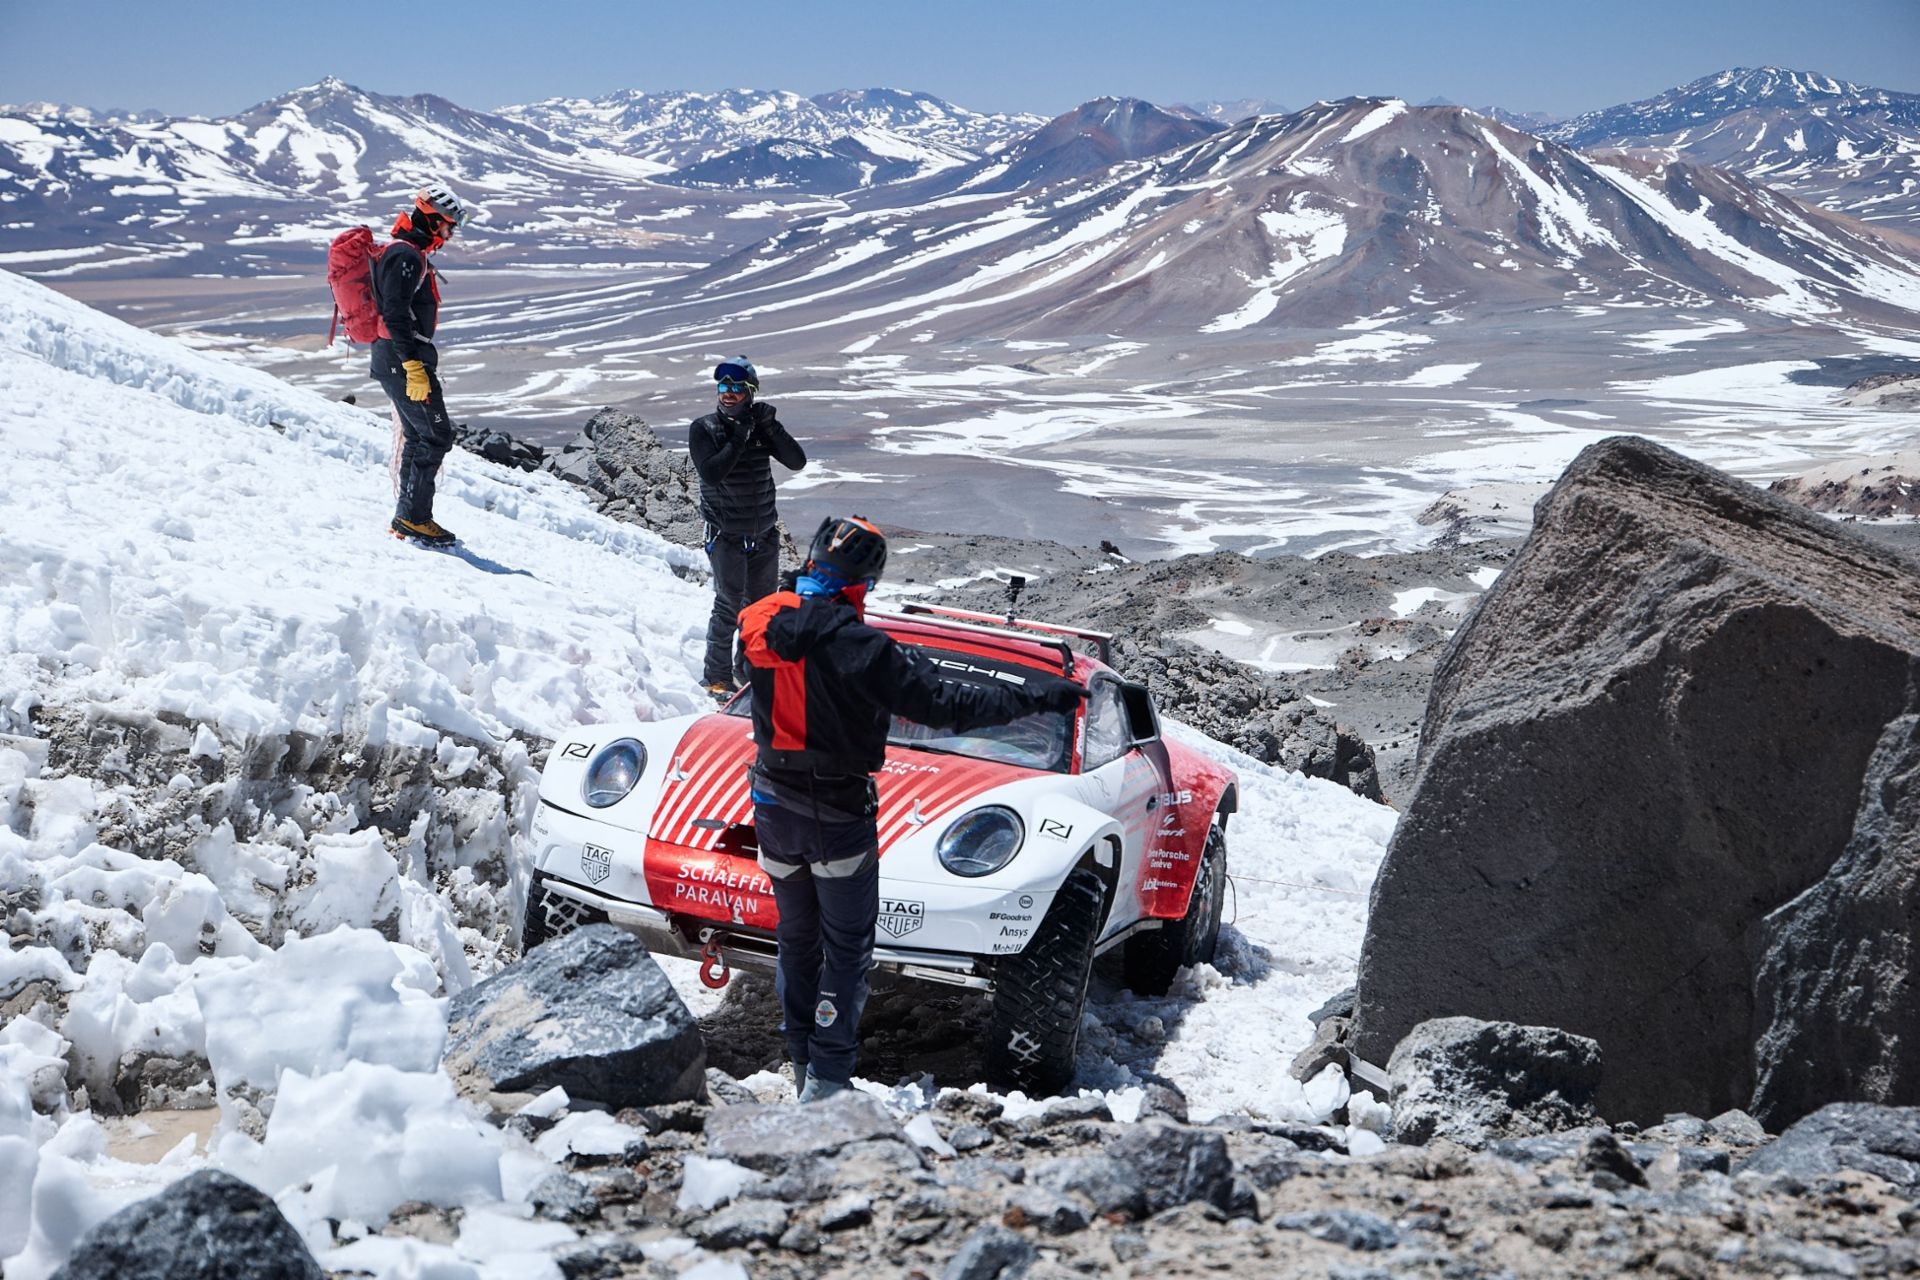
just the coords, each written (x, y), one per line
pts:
(722, 692)
(819, 1090)
(427, 532)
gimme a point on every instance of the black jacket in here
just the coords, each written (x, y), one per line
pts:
(409, 301)
(825, 686)
(736, 481)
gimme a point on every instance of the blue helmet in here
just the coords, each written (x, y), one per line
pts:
(738, 369)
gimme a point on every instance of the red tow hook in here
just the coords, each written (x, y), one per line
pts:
(713, 966)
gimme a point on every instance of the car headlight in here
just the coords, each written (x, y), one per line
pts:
(613, 771)
(982, 841)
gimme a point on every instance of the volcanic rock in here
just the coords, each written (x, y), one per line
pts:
(1837, 1004)
(501, 447)
(773, 1138)
(207, 1226)
(1473, 1081)
(1176, 1164)
(1877, 487)
(1650, 737)
(1883, 1141)
(637, 479)
(589, 1011)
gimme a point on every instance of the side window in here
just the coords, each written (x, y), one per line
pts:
(1106, 739)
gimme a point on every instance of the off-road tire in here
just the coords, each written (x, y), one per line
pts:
(1150, 961)
(540, 923)
(1039, 994)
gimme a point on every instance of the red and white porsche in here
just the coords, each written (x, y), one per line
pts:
(1010, 856)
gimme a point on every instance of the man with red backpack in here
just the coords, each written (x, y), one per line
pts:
(406, 293)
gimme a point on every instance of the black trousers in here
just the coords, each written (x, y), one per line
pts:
(826, 884)
(744, 569)
(428, 432)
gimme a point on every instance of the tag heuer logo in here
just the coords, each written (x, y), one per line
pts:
(596, 862)
(899, 917)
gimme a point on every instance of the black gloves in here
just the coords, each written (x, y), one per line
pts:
(1053, 694)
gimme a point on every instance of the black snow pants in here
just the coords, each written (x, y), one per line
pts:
(428, 432)
(744, 569)
(826, 885)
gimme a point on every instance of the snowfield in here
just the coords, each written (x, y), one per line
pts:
(263, 773)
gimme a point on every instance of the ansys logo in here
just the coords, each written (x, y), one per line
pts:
(900, 917)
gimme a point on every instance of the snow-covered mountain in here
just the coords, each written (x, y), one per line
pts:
(923, 117)
(1846, 146)
(679, 129)
(289, 171)
(1089, 139)
(88, 190)
(1339, 212)
(869, 158)
(1093, 136)
(1232, 110)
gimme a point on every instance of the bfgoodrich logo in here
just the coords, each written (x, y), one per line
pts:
(596, 862)
(900, 917)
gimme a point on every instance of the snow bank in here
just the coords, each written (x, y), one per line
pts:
(242, 730)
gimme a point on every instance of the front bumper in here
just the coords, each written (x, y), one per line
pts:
(682, 897)
(569, 905)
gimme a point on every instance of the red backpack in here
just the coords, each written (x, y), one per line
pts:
(350, 260)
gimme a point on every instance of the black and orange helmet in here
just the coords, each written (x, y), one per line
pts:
(850, 547)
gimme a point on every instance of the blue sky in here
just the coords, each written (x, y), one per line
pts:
(215, 57)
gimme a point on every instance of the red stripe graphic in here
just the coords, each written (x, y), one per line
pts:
(716, 750)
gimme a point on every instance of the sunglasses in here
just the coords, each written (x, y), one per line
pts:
(728, 388)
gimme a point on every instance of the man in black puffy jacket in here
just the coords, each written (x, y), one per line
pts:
(405, 361)
(731, 448)
(825, 689)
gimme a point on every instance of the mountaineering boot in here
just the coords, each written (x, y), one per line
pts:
(427, 533)
(819, 1090)
(721, 692)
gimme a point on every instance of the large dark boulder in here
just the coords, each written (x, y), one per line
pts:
(589, 1011)
(1476, 1082)
(207, 1226)
(1649, 739)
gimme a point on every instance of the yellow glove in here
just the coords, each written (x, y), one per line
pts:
(418, 388)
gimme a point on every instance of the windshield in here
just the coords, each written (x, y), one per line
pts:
(1043, 740)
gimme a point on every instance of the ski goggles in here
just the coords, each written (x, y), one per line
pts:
(728, 387)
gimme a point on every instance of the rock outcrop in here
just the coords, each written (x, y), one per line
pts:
(1474, 1082)
(1838, 995)
(1644, 748)
(1882, 1141)
(589, 1011)
(635, 477)
(1876, 487)
(207, 1226)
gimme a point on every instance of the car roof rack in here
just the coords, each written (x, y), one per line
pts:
(1001, 623)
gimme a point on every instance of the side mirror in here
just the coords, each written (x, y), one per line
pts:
(1143, 718)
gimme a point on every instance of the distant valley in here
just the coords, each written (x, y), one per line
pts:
(1176, 327)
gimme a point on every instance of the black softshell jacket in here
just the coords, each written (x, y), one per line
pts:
(731, 455)
(409, 305)
(825, 685)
